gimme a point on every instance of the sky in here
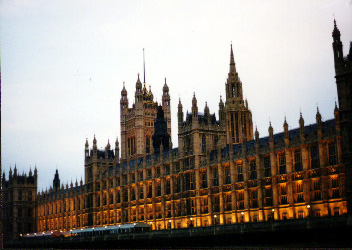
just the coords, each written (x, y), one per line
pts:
(63, 64)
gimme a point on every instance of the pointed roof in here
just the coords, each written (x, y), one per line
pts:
(124, 91)
(336, 31)
(232, 62)
(165, 88)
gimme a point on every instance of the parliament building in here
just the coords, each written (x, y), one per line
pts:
(222, 172)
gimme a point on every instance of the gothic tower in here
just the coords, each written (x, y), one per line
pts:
(343, 71)
(137, 123)
(166, 107)
(238, 116)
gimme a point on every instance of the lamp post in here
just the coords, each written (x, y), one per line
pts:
(242, 217)
(273, 214)
(308, 208)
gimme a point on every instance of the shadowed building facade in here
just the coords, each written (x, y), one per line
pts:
(222, 172)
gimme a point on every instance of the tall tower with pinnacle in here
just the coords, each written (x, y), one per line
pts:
(343, 75)
(238, 116)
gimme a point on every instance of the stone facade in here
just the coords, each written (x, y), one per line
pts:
(221, 172)
(19, 203)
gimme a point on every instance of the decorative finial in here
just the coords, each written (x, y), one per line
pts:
(123, 84)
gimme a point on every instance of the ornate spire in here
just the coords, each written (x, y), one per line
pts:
(232, 62)
(143, 66)
(336, 31)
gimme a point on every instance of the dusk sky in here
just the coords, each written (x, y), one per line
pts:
(63, 64)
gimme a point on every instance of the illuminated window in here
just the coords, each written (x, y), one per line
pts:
(335, 189)
(317, 189)
(240, 173)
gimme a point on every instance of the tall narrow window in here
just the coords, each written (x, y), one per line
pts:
(268, 196)
(29, 195)
(332, 154)
(168, 187)
(282, 163)
(253, 198)
(215, 177)
(204, 144)
(158, 189)
(147, 144)
(253, 170)
(240, 173)
(314, 157)
(240, 200)
(227, 175)
(283, 191)
(299, 191)
(236, 126)
(298, 160)
(317, 189)
(335, 188)
(267, 167)
(204, 179)
(232, 128)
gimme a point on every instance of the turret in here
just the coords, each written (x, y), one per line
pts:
(15, 171)
(194, 109)
(56, 181)
(10, 173)
(318, 119)
(337, 47)
(138, 93)
(117, 149)
(286, 135)
(207, 112)
(271, 133)
(336, 113)
(108, 146)
(161, 135)
(94, 144)
(179, 113)
(238, 116)
(221, 112)
(166, 106)
(301, 123)
(35, 175)
(123, 100)
(256, 136)
(86, 149)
